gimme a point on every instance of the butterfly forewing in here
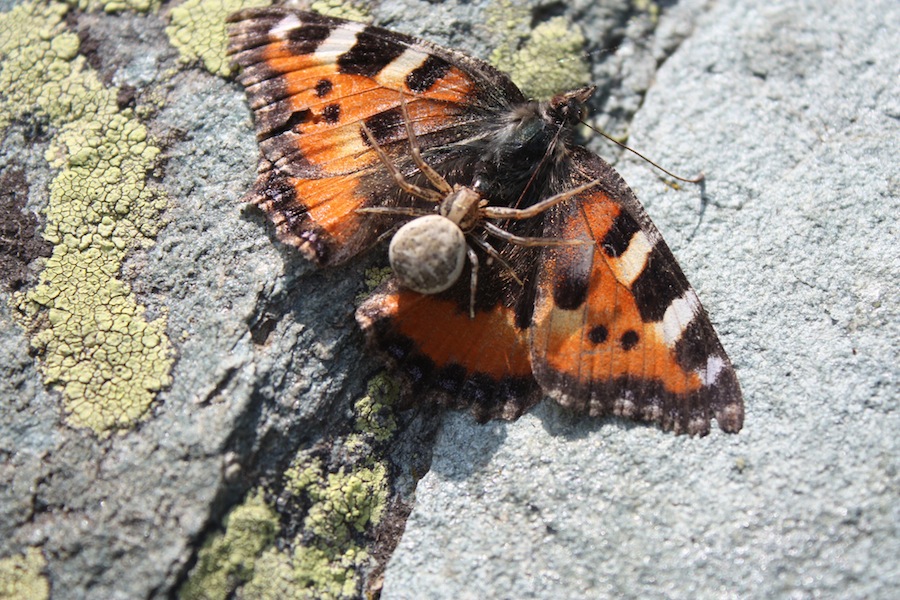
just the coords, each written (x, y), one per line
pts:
(310, 80)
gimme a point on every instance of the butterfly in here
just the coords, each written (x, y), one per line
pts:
(353, 119)
(427, 253)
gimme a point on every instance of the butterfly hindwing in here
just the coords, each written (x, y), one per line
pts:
(481, 363)
(617, 328)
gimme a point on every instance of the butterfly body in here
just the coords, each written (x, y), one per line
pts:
(604, 321)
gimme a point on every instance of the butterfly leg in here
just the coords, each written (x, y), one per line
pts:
(473, 280)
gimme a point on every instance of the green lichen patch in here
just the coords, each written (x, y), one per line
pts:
(329, 504)
(197, 27)
(544, 61)
(323, 559)
(649, 7)
(374, 276)
(327, 558)
(374, 413)
(346, 504)
(343, 9)
(512, 24)
(22, 576)
(197, 30)
(303, 474)
(306, 573)
(115, 6)
(231, 558)
(89, 331)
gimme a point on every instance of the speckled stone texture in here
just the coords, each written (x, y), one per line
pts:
(791, 109)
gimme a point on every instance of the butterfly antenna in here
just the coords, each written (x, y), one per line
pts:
(696, 179)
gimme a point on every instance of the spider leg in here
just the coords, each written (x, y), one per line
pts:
(492, 252)
(518, 240)
(390, 232)
(414, 150)
(504, 212)
(402, 183)
(473, 280)
(406, 211)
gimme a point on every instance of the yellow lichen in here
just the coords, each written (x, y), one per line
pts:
(544, 61)
(347, 503)
(373, 411)
(511, 23)
(302, 474)
(21, 576)
(649, 7)
(352, 11)
(373, 277)
(326, 560)
(94, 343)
(114, 6)
(306, 573)
(197, 30)
(323, 560)
(229, 559)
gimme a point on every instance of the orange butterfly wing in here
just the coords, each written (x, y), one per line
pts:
(311, 81)
(617, 329)
(482, 363)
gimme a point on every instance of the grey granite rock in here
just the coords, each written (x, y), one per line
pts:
(792, 112)
(791, 109)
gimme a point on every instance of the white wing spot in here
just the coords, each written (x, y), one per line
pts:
(714, 366)
(340, 41)
(284, 26)
(394, 75)
(632, 262)
(678, 316)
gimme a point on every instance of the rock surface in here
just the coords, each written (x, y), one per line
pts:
(791, 109)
